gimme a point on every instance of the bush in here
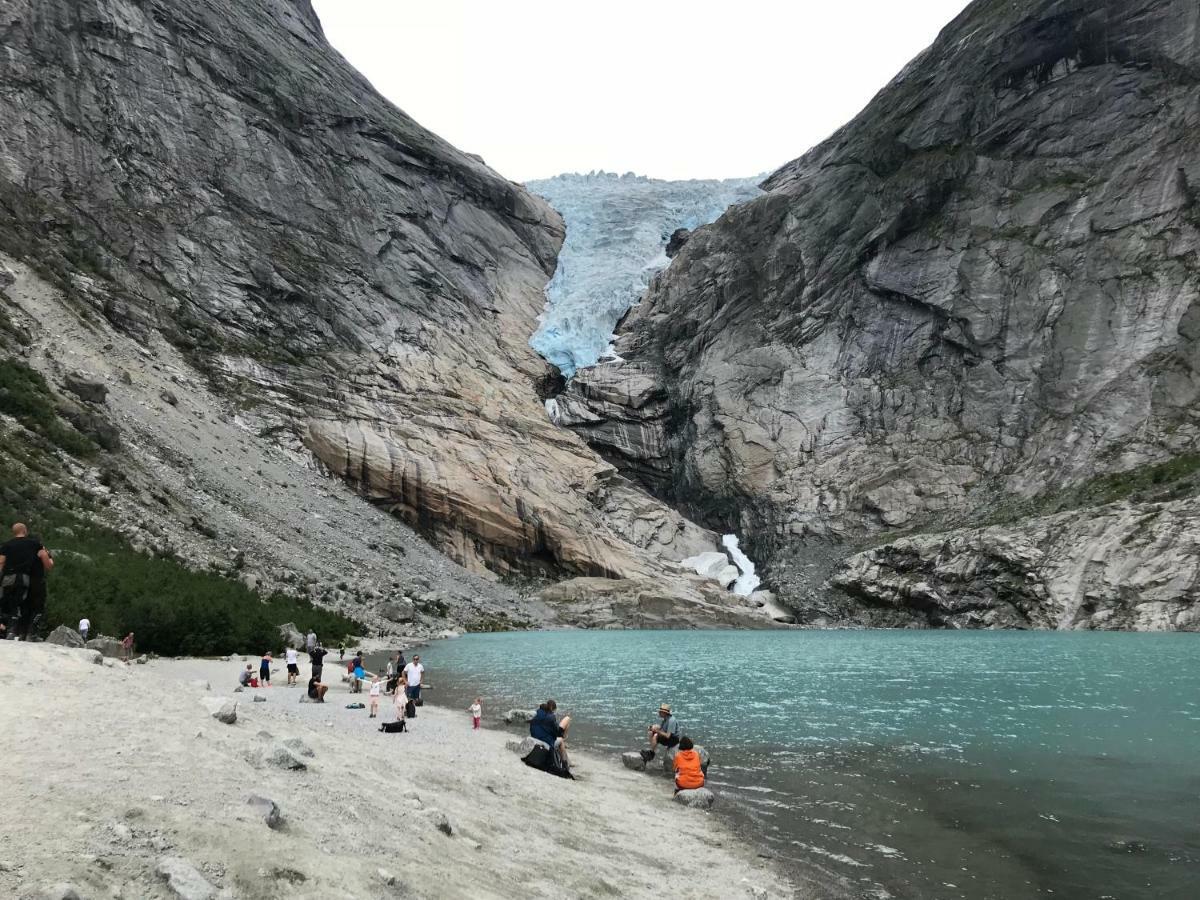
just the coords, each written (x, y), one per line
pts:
(26, 397)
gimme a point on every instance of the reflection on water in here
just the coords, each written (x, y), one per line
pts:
(929, 764)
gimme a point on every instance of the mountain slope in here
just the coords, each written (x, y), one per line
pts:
(211, 190)
(982, 289)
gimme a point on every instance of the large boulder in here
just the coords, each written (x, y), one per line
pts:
(65, 637)
(700, 798)
(525, 746)
(108, 646)
(518, 716)
(86, 387)
(291, 636)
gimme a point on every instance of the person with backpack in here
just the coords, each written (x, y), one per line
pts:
(551, 731)
(24, 562)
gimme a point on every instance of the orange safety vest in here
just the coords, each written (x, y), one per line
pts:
(688, 774)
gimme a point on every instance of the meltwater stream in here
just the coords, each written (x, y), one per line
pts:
(909, 764)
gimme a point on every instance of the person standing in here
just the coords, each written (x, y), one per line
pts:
(127, 648)
(414, 672)
(376, 690)
(310, 641)
(316, 656)
(84, 627)
(476, 711)
(264, 670)
(24, 563)
(293, 666)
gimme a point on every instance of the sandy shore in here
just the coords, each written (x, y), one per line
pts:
(108, 770)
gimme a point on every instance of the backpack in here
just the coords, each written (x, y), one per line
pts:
(410, 710)
(394, 727)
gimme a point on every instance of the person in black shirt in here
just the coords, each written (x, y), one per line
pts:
(24, 563)
(317, 657)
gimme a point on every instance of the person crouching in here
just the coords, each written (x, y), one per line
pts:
(689, 774)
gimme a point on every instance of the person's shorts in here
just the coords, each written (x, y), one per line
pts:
(264, 674)
(668, 740)
(413, 692)
(293, 669)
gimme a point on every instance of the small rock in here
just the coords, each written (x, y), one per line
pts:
(267, 809)
(700, 798)
(142, 660)
(86, 387)
(239, 689)
(633, 761)
(169, 397)
(438, 820)
(183, 880)
(385, 876)
(259, 698)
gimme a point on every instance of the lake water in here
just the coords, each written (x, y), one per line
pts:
(905, 764)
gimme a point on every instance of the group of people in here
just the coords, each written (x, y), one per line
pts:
(548, 727)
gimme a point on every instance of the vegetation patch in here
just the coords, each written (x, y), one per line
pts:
(26, 397)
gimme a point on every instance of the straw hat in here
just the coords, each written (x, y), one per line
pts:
(662, 707)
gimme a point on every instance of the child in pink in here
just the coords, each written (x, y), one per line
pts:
(476, 711)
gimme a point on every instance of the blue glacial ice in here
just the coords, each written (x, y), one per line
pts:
(617, 231)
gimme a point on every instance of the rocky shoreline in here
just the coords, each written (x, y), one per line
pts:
(310, 800)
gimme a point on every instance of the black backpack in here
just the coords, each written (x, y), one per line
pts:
(393, 727)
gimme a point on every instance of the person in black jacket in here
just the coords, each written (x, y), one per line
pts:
(24, 563)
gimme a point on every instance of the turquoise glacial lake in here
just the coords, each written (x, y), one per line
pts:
(906, 764)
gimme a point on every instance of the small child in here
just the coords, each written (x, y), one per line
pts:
(476, 711)
(376, 690)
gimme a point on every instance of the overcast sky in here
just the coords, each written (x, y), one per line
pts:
(681, 89)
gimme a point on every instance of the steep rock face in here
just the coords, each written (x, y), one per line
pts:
(352, 285)
(986, 285)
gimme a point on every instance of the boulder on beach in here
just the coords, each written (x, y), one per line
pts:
(633, 760)
(700, 798)
(221, 708)
(517, 716)
(65, 637)
(525, 746)
(109, 646)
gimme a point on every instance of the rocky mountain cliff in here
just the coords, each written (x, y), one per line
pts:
(253, 258)
(982, 292)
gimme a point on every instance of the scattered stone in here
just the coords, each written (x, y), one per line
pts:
(259, 698)
(142, 660)
(65, 637)
(385, 876)
(268, 809)
(518, 715)
(183, 880)
(169, 397)
(239, 689)
(700, 798)
(633, 761)
(438, 820)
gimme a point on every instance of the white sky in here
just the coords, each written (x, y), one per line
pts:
(680, 89)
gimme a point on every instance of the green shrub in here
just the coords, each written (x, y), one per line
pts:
(26, 397)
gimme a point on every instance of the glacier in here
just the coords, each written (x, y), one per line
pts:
(747, 583)
(617, 232)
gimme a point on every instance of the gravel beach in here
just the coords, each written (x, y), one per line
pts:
(127, 786)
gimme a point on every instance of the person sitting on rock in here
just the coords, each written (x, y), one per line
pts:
(549, 729)
(316, 690)
(665, 734)
(689, 774)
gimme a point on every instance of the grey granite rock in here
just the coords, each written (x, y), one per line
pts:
(700, 798)
(983, 288)
(183, 880)
(65, 637)
(267, 809)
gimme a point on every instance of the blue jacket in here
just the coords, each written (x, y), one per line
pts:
(545, 727)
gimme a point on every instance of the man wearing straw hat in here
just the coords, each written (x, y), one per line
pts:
(665, 734)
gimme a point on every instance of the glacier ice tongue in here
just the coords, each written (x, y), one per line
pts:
(747, 582)
(617, 230)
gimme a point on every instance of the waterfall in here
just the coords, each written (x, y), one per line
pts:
(747, 583)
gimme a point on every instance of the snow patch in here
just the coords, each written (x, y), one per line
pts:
(746, 583)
